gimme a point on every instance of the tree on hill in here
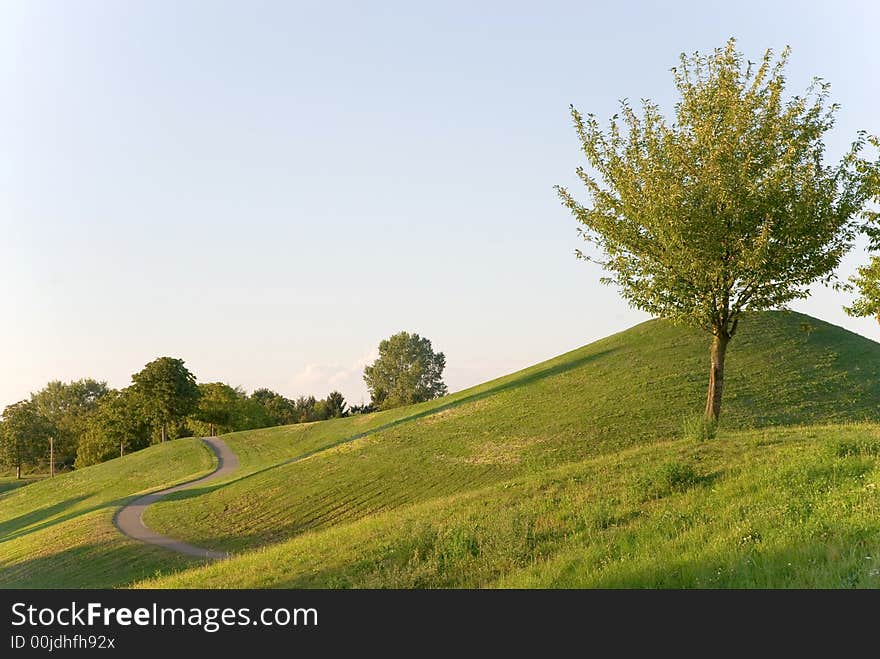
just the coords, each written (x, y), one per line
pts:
(167, 390)
(729, 208)
(334, 405)
(68, 406)
(407, 371)
(331, 407)
(24, 435)
(216, 409)
(305, 409)
(117, 427)
(363, 408)
(279, 409)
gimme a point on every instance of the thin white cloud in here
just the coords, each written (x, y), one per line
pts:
(320, 379)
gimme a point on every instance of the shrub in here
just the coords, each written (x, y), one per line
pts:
(698, 428)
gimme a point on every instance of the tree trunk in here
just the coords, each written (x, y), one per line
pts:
(121, 448)
(164, 433)
(212, 430)
(18, 471)
(51, 457)
(716, 375)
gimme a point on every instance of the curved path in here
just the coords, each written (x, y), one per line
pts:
(130, 521)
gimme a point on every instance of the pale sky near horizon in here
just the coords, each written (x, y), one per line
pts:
(268, 189)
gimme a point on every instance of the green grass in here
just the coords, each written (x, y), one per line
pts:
(629, 389)
(767, 508)
(59, 533)
(581, 471)
(9, 483)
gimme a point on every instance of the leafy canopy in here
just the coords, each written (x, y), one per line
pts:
(407, 371)
(24, 434)
(334, 405)
(867, 282)
(729, 208)
(217, 407)
(167, 390)
(69, 406)
(118, 424)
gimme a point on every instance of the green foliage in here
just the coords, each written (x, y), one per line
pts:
(167, 390)
(117, 426)
(250, 413)
(68, 406)
(407, 371)
(698, 428)
(216, 410)
(334, 405)
(729, 207)
(24, 435)
(867, 282)
(365, 408)
(278, 409)
(305, 409)
(231, 410)
(92, 423)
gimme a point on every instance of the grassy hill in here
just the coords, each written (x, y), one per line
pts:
(785, 507)
(572, 472)
(59, 533)
(629, 389)
(8, 483)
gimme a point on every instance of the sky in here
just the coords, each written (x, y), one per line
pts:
(268, 189)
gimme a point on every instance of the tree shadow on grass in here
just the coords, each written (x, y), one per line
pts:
(7, 486)
(9, 527)
(48, 516)
(96, 565)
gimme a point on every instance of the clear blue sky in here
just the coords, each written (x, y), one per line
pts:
(268, 189)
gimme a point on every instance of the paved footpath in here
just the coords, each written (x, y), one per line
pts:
(130, 521)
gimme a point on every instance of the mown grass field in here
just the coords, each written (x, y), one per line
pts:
(629, 389)
(59, 533)
(8, 483)
(790, 507)
(571, 473)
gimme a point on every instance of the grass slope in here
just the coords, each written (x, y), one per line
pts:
(625, 391)
(785, 507)
(59, 533)
(9, 483)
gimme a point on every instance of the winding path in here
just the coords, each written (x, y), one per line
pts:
(129, 518)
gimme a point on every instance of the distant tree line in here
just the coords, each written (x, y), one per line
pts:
(90, 422)
(87, 422)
